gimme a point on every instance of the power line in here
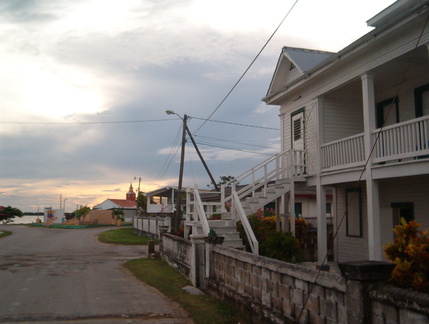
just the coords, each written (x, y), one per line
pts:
(126, 122)
(236, 124)
(248, 68)
(86, 123)
(232, 149)
(235, 142)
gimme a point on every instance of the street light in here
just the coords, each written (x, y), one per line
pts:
(176, 222)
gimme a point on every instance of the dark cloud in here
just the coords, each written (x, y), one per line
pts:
(28, 11)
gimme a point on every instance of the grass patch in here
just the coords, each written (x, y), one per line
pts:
(4, 233)
(123, 236)
(202, 309)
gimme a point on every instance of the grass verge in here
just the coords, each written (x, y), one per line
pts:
(123, 236)
(4, 233)
(202, 309)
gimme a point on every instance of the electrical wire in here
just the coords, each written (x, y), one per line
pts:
(236, 124)
(235, 142)
(169, 158)
(248, 68)
(86, 123)
(232, 149)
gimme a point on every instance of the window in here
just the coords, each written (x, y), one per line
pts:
(328, 208)
(298, 209)
(421, 98)
(297, 129)
(402, 210)
(387, 112)
(292, 66)
(353, 213)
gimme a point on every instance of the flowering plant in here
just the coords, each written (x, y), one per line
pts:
(410, 253)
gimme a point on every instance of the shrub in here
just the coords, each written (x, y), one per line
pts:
(281, 246)
(410, 253)
(273, 244)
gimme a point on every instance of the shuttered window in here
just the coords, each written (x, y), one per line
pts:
(297, 131)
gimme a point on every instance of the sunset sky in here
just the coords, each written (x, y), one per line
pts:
(85, 86)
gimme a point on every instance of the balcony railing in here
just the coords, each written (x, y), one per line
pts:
(347, 152)
(400, 142)
(409, 139)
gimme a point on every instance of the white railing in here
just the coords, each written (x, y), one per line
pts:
(286, 165)
(195, 211)
(348, 152)
(253, 242)
(280, 167)
(408, 139)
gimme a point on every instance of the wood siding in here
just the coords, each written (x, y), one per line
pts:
(402, 190)
(350, 248)
(343, 114)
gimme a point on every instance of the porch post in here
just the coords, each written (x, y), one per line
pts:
(322, 241)
(373, 203)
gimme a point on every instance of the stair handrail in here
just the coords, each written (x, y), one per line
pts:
(251, 238)
(284, 164)
(199, 211)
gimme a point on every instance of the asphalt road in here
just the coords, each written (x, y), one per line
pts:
(54, 275)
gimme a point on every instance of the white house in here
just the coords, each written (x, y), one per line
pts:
(359, 120)
(128, 205)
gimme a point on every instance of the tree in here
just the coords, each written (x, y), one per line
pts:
(117, 214)
(227, 180)
(141, 202)
(82, 212)
(7, 213)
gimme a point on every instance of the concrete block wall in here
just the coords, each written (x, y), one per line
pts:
(273, 291)
(178, 253)
(394, 305)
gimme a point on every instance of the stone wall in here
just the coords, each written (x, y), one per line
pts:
(271, 291)
(394, 305)
(277, 292)
(178, 253)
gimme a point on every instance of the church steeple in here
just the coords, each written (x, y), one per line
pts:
(131, 195)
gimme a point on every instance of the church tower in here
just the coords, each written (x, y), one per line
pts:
(131, 195)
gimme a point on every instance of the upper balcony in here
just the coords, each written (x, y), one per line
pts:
(398, 143)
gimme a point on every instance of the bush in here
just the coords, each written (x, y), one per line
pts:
(410, 253)
(272, 244)
(281, 246)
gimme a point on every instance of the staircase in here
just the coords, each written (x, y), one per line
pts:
(268, 181)
(260, 199)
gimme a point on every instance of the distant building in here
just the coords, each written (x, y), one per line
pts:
(128, 205)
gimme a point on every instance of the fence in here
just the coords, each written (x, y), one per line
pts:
(150, 225)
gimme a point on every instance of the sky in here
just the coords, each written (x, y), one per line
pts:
(85, 85)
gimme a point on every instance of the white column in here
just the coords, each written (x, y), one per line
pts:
(322, 242)
(373, 203)
(322, 239)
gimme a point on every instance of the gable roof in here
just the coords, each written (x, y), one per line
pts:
(116, 203)
(384, 22)
(294, 63)
(124, 203)
(305, 59)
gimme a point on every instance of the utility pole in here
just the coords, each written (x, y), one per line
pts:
(177, 217)
(182, 162)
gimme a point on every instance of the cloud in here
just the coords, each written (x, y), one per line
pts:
(97, 64)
